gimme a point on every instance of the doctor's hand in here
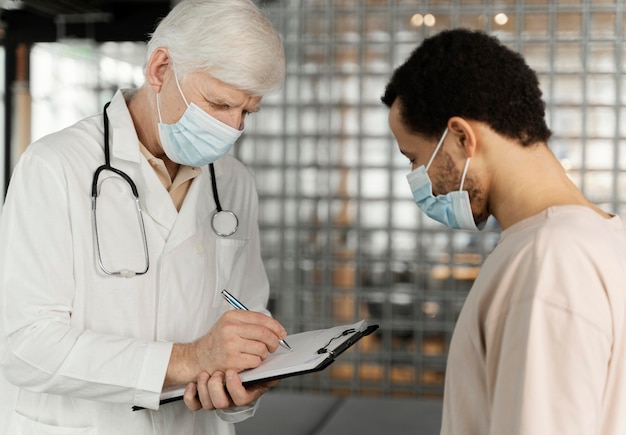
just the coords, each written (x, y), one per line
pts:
(222, 391)
(239, 340)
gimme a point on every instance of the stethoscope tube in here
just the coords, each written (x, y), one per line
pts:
(223, 222)
(127, 273)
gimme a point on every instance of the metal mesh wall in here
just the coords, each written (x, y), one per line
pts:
(341, 237)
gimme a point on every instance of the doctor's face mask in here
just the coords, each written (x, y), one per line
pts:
(452, 209)
(198, 138)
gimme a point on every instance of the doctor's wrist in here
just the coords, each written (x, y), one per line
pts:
(183, 366)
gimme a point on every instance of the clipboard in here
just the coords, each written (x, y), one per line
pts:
(313, 351)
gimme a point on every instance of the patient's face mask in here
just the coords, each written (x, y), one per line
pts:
(452, 209)
(198, 138)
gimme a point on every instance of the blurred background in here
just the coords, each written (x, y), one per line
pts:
(342, 239)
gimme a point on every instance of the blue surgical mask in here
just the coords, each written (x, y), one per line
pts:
(452, 209)
(198, 138)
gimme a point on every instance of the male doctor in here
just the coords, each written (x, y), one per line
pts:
(103, 307)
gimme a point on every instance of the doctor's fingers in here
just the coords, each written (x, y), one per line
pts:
(230, 333)
(241, 395)
(232, 354)
(258, 340)
(212, 392)
(255, 319)
(244, 354)
(190, 397)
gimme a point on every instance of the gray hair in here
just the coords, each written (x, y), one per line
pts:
(233, 40)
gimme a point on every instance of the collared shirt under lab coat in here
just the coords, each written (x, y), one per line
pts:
(83, 347)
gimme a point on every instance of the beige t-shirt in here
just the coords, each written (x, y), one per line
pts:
(540, 346)
(177, 187)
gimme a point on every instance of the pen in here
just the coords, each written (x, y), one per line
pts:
(238, 305)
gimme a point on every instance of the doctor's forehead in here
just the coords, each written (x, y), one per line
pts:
(220, 91)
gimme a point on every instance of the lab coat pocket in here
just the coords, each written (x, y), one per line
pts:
(21, 425)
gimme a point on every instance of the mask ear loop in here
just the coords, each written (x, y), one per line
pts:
(178, 85)
(159, 108)
(179, 90)
(464, 173)
(437, 148)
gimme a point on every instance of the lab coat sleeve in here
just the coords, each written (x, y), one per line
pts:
(40, 349)
(237, 414)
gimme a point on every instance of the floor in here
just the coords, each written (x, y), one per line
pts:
(289, 413)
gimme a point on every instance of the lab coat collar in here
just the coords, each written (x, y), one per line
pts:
(199, 203)
(198, 208)
(124, 143)
(126, 155)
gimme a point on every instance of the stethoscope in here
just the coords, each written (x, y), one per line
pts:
(223, 222)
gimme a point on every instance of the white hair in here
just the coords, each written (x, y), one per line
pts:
(233, 40)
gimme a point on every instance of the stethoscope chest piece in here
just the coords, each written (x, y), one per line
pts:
(224, 223)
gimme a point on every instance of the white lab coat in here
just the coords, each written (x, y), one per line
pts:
(79, 348)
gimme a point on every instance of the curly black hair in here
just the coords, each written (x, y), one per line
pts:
(469, 74)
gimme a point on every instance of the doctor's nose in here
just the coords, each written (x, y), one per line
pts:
(234, 120)
(239, 121)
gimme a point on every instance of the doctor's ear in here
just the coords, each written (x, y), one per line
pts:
(464, 134)
(158, 64)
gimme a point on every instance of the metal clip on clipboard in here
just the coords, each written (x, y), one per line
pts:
(357, 335)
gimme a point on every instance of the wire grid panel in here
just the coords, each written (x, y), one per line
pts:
(341, 237)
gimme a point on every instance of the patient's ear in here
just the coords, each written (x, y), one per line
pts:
(464, 134)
